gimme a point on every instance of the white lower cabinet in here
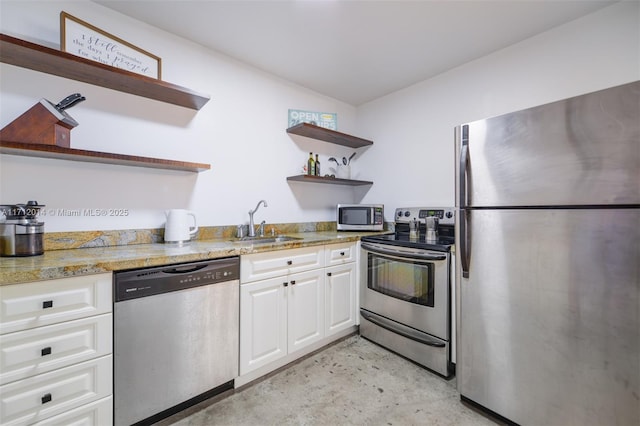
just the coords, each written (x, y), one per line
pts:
(340, 296)
(263, 323)
(43, 349)
(56, 343)
(30, 305)
(299, 305)
(45, 395)
(305, 309)
(98, 413)
(279, 316)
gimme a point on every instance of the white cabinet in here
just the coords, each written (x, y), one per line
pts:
(30, 305)
(271, 264)
(341, 293)
(294, 301)
(340, 296)
(339, 254)
(55, 351)
(263, 323)
(45, 395)
(98, 413)
(284, 312)
(305, 309)
(42, 349)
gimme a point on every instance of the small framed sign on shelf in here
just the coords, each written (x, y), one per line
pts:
(86, 41)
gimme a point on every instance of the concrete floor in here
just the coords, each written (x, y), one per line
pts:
(353, 382)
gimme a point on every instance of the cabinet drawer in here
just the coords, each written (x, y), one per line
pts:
(337, 254)
(27, 353)
(30, 305)
(271, 264)
(98, 413)
(46, 395)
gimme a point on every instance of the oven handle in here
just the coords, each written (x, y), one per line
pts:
(402, 330)
(403, 254)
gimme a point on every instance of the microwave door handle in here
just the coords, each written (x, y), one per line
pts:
(403, 254)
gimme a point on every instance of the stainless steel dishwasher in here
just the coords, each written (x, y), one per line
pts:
(176, 337)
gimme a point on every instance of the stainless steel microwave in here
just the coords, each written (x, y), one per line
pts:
(360, 217)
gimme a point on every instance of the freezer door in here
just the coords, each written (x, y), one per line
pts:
(549, 316)
(580, 151)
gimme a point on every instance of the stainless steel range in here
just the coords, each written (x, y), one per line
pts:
(406, 287)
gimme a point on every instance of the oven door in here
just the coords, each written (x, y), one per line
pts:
(407, 285)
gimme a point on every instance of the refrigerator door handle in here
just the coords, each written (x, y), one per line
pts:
(462, 169)
(464, 250)
(462, 182)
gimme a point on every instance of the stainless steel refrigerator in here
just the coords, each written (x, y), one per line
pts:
(547, 274)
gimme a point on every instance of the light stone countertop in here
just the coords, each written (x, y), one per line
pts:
(85, 261)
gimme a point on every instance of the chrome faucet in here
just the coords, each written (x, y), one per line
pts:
(252, 230)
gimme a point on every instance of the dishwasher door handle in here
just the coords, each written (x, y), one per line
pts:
(183, 269)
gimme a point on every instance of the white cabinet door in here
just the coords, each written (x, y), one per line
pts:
(340, 296)
(305, 308)
(260, 266)
(263, 323)
(338, 254)
(30, 305)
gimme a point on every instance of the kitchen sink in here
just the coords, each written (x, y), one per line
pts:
(267, 240)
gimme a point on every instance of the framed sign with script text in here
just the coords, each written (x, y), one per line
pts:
(86, 41)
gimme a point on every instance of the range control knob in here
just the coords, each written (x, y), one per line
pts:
(407, 213)
(399, 213)
(449, 215)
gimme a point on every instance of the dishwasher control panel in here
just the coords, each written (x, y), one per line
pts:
(164, 279)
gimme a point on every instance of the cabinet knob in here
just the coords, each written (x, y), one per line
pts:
(341, 253)
(293, 282)
(289, 262)
(45, 351)
(46, 398)
(328, 274)
(285, 284)
(47, 304)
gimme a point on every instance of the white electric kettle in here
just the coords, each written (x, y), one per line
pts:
(178, 228)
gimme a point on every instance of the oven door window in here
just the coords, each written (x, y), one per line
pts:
(408, 280)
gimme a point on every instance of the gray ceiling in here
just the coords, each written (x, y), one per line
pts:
(355, 51)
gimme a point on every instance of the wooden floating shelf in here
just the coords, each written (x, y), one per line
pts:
(58, 152)
(51, 61)
(328, 180)
(327, 135)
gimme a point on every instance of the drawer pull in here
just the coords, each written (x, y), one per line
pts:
(289, 262)
(46, 351)
(341, 253)
(47, 304)
(46, 398)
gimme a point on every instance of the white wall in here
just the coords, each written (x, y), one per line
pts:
(413, 128)
(240, 132)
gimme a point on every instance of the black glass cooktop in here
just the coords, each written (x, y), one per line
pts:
(443, 243)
